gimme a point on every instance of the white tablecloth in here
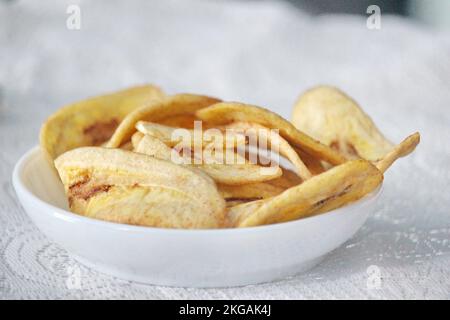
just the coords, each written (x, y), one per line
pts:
(264, 53)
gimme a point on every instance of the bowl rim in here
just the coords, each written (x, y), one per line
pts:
(21, 189)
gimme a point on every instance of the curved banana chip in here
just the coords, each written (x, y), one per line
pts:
(128, 187)
(249, 191)
(231, 174)
(260, 190)
(283, 147)
(226, 112)
(190, 137)
(92, 121)
(180, 121)
(330, 116)
(401, 150)
(314, 165)
(340, 185)
(180, 104)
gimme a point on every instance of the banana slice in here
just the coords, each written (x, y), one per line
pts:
(330, 116)
(334, 188)
(132, 188)
(227, 112)
(92, 122)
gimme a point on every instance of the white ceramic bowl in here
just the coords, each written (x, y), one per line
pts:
(188, 258)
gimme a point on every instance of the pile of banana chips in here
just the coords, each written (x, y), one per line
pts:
(141, 157)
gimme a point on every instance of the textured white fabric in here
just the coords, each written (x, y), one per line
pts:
(264, 53)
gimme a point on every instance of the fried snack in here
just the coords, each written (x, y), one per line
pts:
(92, 121)
(185, 121)
(287, 180)
(330, 116)
(231, 174)
(283, 147)
(177, 105)
(224, 113)
(249, 191)
(338, 186)
(136, 138)
(314, 165)
(132, 188)
(402, 149)
(238, 174)
(260, 190)
(154, 147)
(195, 138)
(234, 202)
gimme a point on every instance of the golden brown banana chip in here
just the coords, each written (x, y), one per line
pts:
(314, 165)
(402, 149)
(180, 104)
(287, 180)
(238, 174)
(189, 137)
(271, 137)
(330, 116)
(181, 121)
(223, 113)
(92, 121)
(232, 174)
(234, 202)
(260, 190)
(154, 147)
(127, 146)
(334, 188)
(249, 191)
(133, 188)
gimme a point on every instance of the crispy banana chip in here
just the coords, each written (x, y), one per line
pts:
(238, 174)
(136, 138)
(314, 165)
(128, 187)
(249, 191)
(334, 188)
(401, 150)
(283, 147)
(223, 113)
(232, 174)
(92, 121)
(330, 116)
(181, 121)
(180, 104)
(154, 147)
(287, 180)
(189, 137)
(260, 190)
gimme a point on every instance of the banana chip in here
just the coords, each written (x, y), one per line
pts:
(314, 165)
(180, 104)
(154, 147)
(92, 121)
(231, 174)
(338, 186)
(238, 174)
(249, 191)
(138, 157)
(224, 113)
(136, 138)
(401, 150)
(283, 147)
(195, 138)
(182, 121)
(127, 187)
(330, 116)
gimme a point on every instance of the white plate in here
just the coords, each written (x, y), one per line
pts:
(188, 258)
